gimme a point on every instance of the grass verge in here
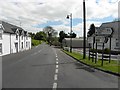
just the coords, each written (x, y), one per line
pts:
(36, 42)
(113, 66)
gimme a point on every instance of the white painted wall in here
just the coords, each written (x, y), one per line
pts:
(6, 43)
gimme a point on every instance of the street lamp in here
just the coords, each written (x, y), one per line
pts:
(70, 17)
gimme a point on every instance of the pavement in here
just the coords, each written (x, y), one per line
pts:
(48, 67)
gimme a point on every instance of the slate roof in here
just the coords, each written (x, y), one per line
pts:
(114, 25)
(9, 28)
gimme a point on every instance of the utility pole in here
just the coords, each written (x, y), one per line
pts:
(84, 19)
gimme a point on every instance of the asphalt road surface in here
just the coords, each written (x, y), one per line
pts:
(48, 67)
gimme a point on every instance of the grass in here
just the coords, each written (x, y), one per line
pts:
(113, 66)
(36, 42)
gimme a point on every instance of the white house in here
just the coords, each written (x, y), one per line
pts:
(114, 39)
(13, 39)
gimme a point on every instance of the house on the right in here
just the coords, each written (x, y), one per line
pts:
(114, 26)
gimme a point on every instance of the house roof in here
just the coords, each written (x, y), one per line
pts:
(114, 25)
(114, 22)
(9, 28)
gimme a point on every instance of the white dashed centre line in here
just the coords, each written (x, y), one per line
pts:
(56, 59)
(55, 77)
(56, 62)
(56, 66)
(56, 71)
(54, 86)
(56, 74)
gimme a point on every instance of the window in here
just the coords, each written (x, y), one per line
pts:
(22, 45)
(117, 44)
(26, 37)
(0, 48)
(0, 32)
(22, 37)
(26, 44)
(0, 35)
(16, 37)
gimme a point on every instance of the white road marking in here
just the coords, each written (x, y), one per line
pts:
(56, 66)
(56, 59)
(39, 51)
(56, 74)
(54, 86)
(56, 71)
(56, 62)
(55, 77)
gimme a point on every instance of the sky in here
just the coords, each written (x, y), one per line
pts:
(34, 15)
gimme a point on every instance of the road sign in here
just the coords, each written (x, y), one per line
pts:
(90, 39)
(100, 39)
(105, 31)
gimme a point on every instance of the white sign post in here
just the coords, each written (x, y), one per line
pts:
(90, 39)
(100, 39)
(106, 31)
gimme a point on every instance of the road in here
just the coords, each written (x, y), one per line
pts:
(48, 67)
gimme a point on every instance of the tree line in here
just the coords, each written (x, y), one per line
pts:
(49, 34)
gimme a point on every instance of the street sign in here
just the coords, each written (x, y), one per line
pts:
(105, 31)
(90, 39)
(100, 39)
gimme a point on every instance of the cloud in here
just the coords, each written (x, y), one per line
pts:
(33, 12)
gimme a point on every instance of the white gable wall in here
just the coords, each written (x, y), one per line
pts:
(12, 45)
(13, 42)
(6, 43)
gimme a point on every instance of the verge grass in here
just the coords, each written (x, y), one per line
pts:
(36, 42)
(113, 66)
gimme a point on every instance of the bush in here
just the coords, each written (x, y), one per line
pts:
(106, 51)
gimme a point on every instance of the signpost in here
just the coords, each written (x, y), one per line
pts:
(101, 37)
(106, 31)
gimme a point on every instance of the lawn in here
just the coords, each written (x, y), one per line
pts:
(113, 66)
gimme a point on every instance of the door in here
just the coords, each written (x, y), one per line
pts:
(16, 46)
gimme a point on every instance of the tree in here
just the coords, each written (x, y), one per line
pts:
(32, 35)
(61, 36)
(73, 35)
(50, 32)
(91, 30)
(40, 36)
